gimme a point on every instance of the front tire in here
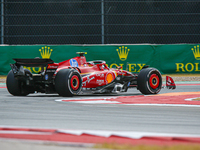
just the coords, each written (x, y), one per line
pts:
(68, 82)
(149, 81)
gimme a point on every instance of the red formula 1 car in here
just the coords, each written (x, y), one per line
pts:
(76, 75)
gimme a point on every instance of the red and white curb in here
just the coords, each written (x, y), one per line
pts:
(97, 136)
(182, 99)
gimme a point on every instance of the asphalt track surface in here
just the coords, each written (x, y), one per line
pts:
(171, 117)
(47, 111)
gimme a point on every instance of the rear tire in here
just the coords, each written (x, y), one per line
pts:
(68, 82)
(149, 81)
(16, 87)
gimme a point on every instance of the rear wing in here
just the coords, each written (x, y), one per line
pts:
(18, 69)
(37, 62)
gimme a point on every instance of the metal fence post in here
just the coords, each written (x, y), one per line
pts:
(2, 21)
(102, 21)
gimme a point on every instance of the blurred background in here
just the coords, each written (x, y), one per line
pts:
(99, 21)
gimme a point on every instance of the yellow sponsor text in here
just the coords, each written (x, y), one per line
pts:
(188, 67)
(132, 67)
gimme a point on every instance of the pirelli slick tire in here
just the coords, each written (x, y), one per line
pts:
(68, 82)
(149, 81)
(16, 87)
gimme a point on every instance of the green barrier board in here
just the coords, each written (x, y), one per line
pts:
(177, 58)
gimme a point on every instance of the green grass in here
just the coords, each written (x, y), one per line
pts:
(148, 147)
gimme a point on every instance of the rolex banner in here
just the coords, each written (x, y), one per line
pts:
(168, 59)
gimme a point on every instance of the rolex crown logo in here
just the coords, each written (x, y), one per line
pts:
(196, 52)
(45, 52)
(123, 53)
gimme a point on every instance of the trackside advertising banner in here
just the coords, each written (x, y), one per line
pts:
(168, 59)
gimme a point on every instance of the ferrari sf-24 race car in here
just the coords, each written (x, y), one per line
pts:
(76, 75)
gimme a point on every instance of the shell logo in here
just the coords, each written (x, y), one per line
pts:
(109, 77)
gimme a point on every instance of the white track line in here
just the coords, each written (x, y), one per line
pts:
(167, 105)
(103, 100)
